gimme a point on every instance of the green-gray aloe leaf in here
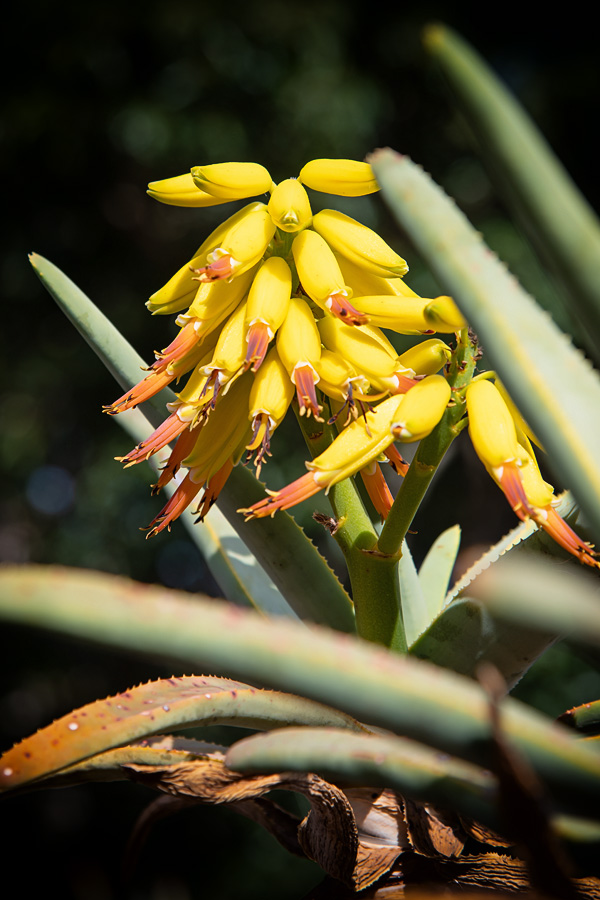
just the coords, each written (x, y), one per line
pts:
(402, 694)
(436, 569)
(465, 634)
(539, 593)
(411, 768)
(282, 549)
(240, 575)
(585, 718)
(414, 608)
(533, 180)
(155, 708)
(553, 385)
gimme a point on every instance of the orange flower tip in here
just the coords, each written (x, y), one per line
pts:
(340, 307)
(219, 268)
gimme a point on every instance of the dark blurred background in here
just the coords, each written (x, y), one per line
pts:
(99, 99)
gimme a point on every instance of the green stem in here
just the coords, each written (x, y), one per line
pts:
(431, 450)
(373, 577)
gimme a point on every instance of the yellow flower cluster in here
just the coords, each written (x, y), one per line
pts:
(278, 302)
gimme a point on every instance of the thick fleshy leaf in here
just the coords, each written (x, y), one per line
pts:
(414, 607)
(585, 718)
(537, 592)
(436, 569)
(553, 385)
(406, 766)
(153, 708)
(286, 559)
(402, 694)
(533, 181)
(465, 634)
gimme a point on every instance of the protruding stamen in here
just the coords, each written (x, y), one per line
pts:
(144, 390)
(212, 490)
(258, 337)
(164, 434)
(304, 379)
(398, 464)
(261, 440)
(177, 504)
(183, 448)
(564, 535)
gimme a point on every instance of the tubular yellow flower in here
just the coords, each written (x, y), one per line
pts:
(242, 246)
(216, 300)
(367, 355)
(344, 177)
(426, 357)
(491, 426)
(270, 397)
(422, 408)
(289, 206)
(232, 181)
(322, 279)
(217, 448)
(405, 315)
(515, 469)
(358, 243)
(358, 445)
(230, 352)
(268, 304)
(364, 283)
(299, 348)
(518, 418)
(181, 289)
(181, 191)
(340, 380)
(444, 315)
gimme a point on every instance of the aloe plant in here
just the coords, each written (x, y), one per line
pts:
(388, 707)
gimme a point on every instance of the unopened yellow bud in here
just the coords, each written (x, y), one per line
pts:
(406, 315)
(181, 289)
(289, 206)
(269, 296)
(363, 282)
(219, 298)
(366, 354)
(361, 245)
(182, 191)
(318, 270)
(336, 374)
(357, 445)
(232, 181)
(491, 425)
(519, 420)
(344, 177)
(422, 408)
(444, 315)
(241, 247)
(298, 339)
(272, 390)
(538, 492)
(427, 357)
